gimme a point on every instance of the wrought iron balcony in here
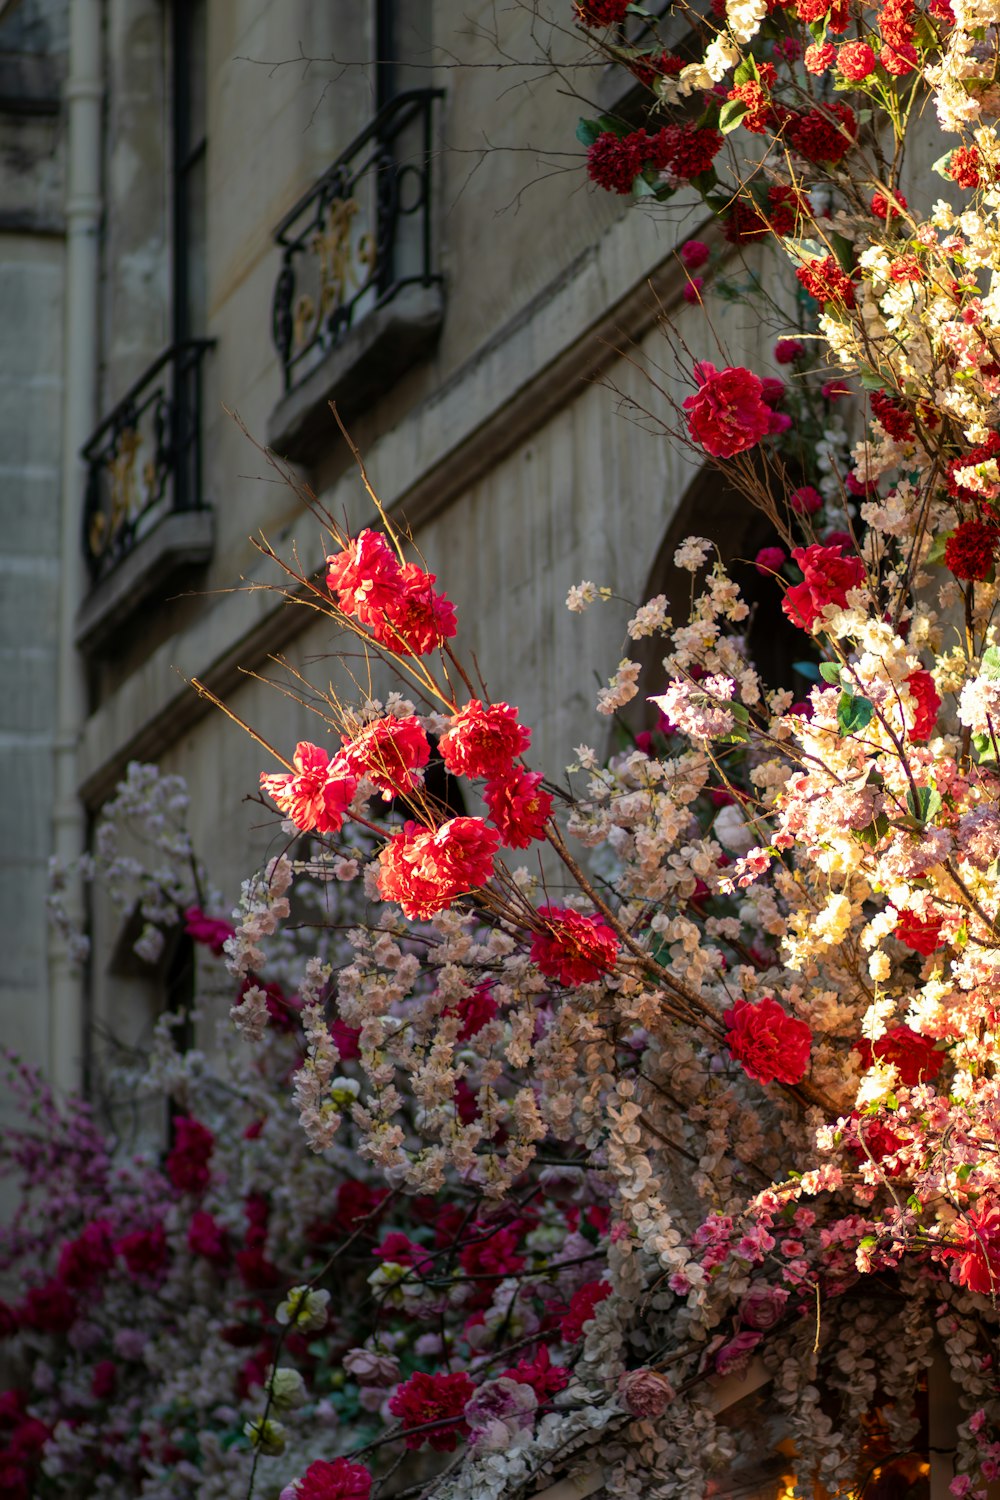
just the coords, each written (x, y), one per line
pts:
(358, 237)
(144, 461)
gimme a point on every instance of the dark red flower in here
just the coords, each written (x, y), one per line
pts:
(207, 1237)
(823, 135)
(598, 13)
(894, 417)
(433, 1399)
(83, 1260)
(922, 934)
(824, 280)
(965, 167)
(144, 1252)
(187, 1163)
(915, 1057)
(927, 704)
(581, 1309)
(541, 1374)
(574, 949)
(977, 1261)
(104, 1379)
(771, 1045)
(970, 551)
(211, 932)
(50, 1308)
(339, 1480)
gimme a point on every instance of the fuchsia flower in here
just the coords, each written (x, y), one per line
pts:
(433, 1398)
(694, 254)
(806, 500)
(771, 1045)
(770, 560)
(212, 932)
(575, 949)
(483, 741)
(427, 869)
(581, 1309)
(339, 1480)
(187, 1163)
(727, 415)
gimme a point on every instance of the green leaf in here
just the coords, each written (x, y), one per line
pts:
(637, 10)
(804, 250)
(868, 1242)
(643, 189)
(943, 163)
(705, 181)
(875, 832)
(964, 1172)
(983, 746)
(829, 671)
(854, 714)
(745, 71)
(740, 713)
(731, 115)
(587, 132)
(991, 663)
(924, 804)
(935, 553)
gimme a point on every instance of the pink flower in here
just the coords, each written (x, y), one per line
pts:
(476, 1010)
(211, 931)
(806, 501)
(574, 949)
(727, 415)
(519, 809)
(369, 1368)
(483, 741)
(771, 1045)
(735, 1356)
(694, 254)
(426, 869)
(787, 351)
(440, 1399)
(317, 794)
(388, 752)
(770, 559)
(763, 1306)
(645, 1392)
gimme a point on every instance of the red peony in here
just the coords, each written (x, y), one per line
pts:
(483, 741)
(340, 1480)
(855, 61)
(575, 949)
(914, 1057)
(387, 752)
(970, 551)
(828, 575)
(581, 1309)
(978, 1260)
(771, 1045)
(922, 934)
(256, 1271)
(519, 809)
(596, 13)
(208, 1238)
(419, 620)
(365, 576)
(396, 601)
(317, 794)
(433, 1398)
(727, 415)
(425, 869)
(187, 1163)
(926, 704)
(824, 280)
(210, 931)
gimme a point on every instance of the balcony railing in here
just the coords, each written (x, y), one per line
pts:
(361, 234)
(144, 461)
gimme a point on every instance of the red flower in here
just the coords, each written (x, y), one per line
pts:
(345, 1039)
(493, 1252)
(476, 1010)
(978, 1259)
(144, 1252)
(806, 501)
(769, 560)
(614, 162)
(187, 1164)
(581, 1309)
(387, 752)
(575, 949)
(915, 1057)
(824, 280)
(823, 135)
(317, 794)
(540, 1373)
(922, 934)
(655, 65)
(828, 577)
(819, 57)
(926, 701)
(787, 351)
(419, 620)
(855, 61)
(519, 809)
(340, 1480)
(365, 576)
(433, 1398)
(426, 869)
(104, 1379)
(211, 931)
(256, 1271)
(483, 741)
(685, 150)
(83, 1260)
(727, 415)
(970, 551)
(596, 13)
(208, 1238)
(886, 207)
(694, 253)
(965, 167)
(893, 416)
(771, 1045)
(49, 1309)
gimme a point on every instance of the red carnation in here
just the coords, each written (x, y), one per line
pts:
(824, 280)
(340, 1480)
(317, 793)
(771, 1045)
(828, 575)
(914, 1057)
(575, 949)
(855, 61)
(388, 752)
(581, 1309)
(597, 13)
(965, 167)
(519, 809)
(187, 1164)
(971, 549)
(483, 741)
(433, 1398)
(922, 934)
(727, 415)
(425, 870)
(926, 704)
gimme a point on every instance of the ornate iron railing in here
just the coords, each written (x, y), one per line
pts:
(360, 234)
(144, 460)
